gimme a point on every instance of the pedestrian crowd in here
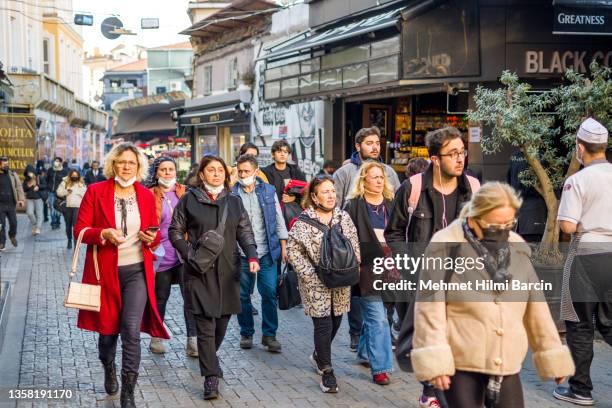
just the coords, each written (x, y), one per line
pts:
(227, 230)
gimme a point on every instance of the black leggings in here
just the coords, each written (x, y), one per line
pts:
(134, 298)
(325, 329)
(468, 391)
(70, 216)
(163, 285)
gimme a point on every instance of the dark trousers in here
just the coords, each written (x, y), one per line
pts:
(134, 300)
(8, 212)
(46, 210)
(468, 390)
(590, 280)
(355, 318)
(211, 332)
(70, 216)
(325, 329)
(163, 286)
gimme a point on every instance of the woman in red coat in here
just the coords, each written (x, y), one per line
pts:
(117, 215)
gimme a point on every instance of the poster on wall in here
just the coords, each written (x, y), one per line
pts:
(300, 124)
(18, 140)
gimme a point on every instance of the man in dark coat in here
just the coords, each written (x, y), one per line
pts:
(280, 173)
(95, 174)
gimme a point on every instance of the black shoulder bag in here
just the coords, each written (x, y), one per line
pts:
(209, 246)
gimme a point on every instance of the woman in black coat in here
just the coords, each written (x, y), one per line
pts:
(212, 295)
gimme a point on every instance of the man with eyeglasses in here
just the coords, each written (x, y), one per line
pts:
(444, 189)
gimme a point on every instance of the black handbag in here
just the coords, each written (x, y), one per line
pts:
(288, 292)
(338, 266)
(208, 247)
(59, 204)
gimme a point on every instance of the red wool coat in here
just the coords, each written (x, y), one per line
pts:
(97, 212)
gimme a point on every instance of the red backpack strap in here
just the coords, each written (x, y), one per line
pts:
(474, 183)
(416, 183)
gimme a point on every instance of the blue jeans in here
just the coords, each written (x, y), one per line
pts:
(375, 340)
(267, 281)
(56, 216)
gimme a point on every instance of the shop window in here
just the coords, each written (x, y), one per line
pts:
(348, 56)
(289, 87)
(290, 70)
(207, 144)
(355, 75)
(331, 79)
(272, 90)
(131, 83)
(384, 70)
(309, 83)
(386, 47)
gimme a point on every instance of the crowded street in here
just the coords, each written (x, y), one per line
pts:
(306, 203)
(44, 349)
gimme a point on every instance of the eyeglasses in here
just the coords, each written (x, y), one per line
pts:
(124, 163)
(507, 226)
(455, 155)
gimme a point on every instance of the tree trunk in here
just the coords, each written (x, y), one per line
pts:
(551, 231)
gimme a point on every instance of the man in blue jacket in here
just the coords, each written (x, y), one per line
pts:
(261, 203)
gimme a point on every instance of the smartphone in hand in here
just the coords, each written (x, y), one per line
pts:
(152, 230)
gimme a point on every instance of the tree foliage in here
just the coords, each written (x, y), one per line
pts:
(536, 122)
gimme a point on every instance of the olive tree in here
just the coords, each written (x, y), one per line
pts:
(539, 124)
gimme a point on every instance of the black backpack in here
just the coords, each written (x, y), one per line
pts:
(338, 266)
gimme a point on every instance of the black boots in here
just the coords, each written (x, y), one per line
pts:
(111, 385)
(128, 383)
(69, 246)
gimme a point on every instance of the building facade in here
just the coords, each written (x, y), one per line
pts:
(412, 66)
(43, 56)
(168, 68)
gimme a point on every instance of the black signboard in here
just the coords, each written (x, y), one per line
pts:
(443, 42)
(537, 60)
(212, 117)
(582, 20)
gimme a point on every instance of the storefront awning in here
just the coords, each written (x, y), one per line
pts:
(147, 118)
(582, 17)
(217, 109)
(346, 29)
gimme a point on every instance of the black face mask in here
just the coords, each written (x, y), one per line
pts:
(495, 235)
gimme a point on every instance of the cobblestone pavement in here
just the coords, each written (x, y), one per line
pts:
(50, 352)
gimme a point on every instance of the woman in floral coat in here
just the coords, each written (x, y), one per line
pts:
(324, 305)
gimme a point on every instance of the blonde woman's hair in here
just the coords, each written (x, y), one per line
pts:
(490, 196)
(118, 150)
(359, 189)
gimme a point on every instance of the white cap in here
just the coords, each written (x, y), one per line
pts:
(591, 131)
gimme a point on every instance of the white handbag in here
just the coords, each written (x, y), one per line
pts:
(83, 296)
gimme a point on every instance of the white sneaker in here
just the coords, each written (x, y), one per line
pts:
(157, 346)
(428, 402)
(191, 349)
(37, 231)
